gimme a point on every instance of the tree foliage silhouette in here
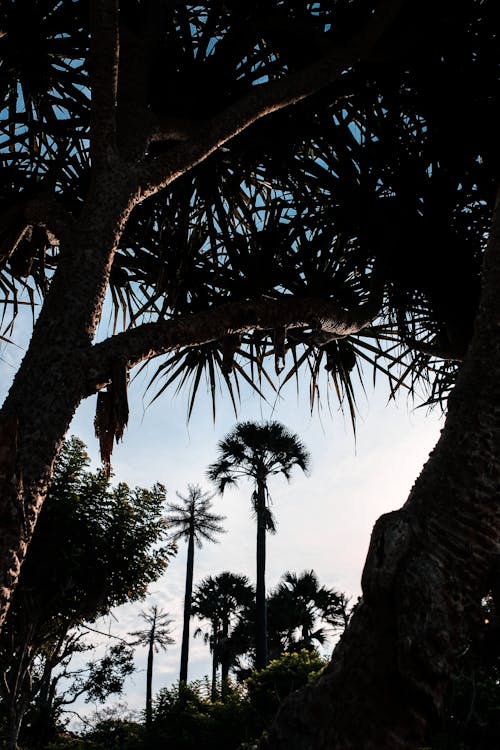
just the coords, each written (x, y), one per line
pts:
(156, 636)
(192, 520)
(257, 452)
(169, 152)
(220, 599)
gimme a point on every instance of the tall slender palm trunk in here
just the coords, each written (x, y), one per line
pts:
(224, 656)
(260, 595)
(187, 609)
(149, 683)
(215, 659)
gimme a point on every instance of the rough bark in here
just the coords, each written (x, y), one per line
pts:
(187, 609)
(51, 381)
(427, 567)
(260, 589)
(54, 375)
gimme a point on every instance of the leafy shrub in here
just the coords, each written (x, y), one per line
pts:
(270, 686)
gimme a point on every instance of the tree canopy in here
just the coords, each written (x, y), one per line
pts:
(96, 547)
(167, 153)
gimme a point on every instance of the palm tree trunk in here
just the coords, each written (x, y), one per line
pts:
(187, 609)
(260, 595)
(149, 683)
(224, 658)
(213, 692)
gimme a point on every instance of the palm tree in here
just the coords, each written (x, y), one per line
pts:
(155, 636)
(192, 520)
(258, 451)
(297, 608)
(220, 600)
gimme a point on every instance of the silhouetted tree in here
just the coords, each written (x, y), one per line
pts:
(299, 608)
(156, 636)
(321, 142)
(220, 599)
(192, 520)
(96, 547)
(257, 452)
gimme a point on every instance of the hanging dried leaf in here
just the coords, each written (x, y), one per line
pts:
(119, 383)
(230, 345)
(112, 412)
(104, 428)
(279, 349)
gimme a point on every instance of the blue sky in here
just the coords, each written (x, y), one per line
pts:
(324, 520)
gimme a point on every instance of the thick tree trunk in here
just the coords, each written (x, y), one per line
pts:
(187, 609)
(260, 591)
(53, 376)
(427, 568)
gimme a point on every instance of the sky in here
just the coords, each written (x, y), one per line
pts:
(324, 520)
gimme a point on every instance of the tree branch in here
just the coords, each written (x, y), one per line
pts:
(157, 173)
(104, 49)
(233, 318)
(47, 212)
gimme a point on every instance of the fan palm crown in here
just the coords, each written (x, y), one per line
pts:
(258, 451)
(220, 600)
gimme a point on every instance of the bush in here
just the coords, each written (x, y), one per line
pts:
(269, 687)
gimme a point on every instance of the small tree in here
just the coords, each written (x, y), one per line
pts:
(258, 451)
(220, 600)
(156, 636)
(95, 547)
(192, 520)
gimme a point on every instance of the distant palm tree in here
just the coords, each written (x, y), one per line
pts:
(258, 451)
(298, 607)
(220, 600)
(155, 636)
(192, 520)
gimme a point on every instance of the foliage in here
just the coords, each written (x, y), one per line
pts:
(193, 516)
(106, 676)
(471, 719)
(157, 634)
(95, 547)
(185, 718)
(366, 168)
(223, 601)
(257, 451)
(268, 687)
(299, 609)
(115, 734)
(113, 541)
